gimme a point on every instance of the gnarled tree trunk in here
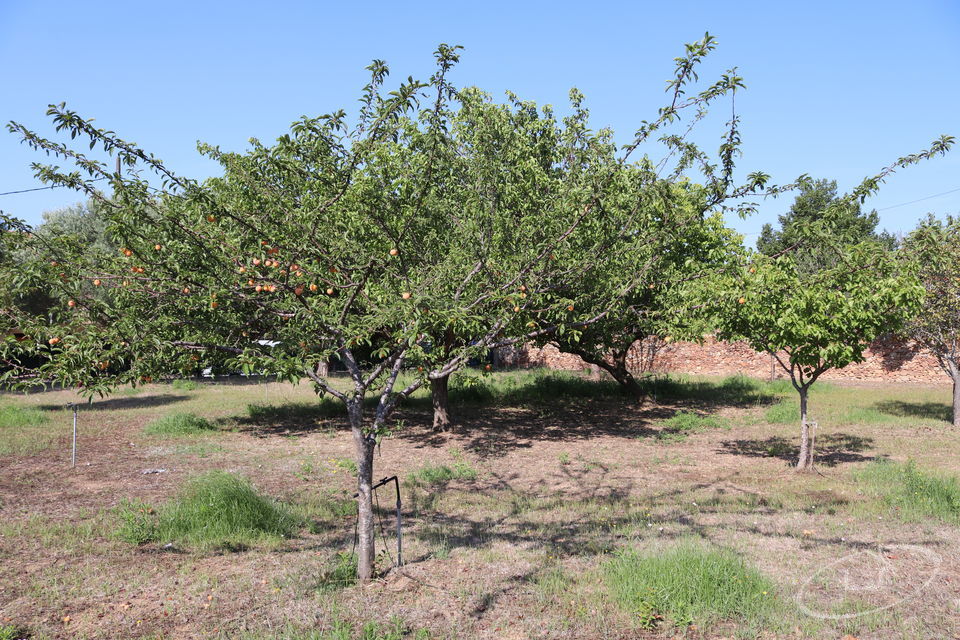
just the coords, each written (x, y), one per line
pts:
(439, 392)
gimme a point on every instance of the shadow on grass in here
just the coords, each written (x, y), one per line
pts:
(116, 404)
(830, 449)
(293, 418)
(926, 410)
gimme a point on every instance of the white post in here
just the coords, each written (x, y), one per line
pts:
(73, 458)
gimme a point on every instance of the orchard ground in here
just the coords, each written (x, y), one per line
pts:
(519, 523)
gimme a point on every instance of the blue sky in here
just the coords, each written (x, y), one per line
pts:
(834, 89)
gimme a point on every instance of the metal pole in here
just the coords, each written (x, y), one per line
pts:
(399, 517)
(73, 457)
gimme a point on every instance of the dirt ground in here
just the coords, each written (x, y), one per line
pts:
(513, 553)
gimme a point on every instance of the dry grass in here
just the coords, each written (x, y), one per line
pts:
(515, 549)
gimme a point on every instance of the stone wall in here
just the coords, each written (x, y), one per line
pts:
(885, 361)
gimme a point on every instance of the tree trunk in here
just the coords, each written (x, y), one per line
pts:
(805, 461)
(956, 399)
(323, 369)
(364, 447)
(441, 405)
(627, 381)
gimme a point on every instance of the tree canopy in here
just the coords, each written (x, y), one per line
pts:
(817, 203)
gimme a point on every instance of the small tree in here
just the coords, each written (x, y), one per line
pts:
(437, 210)
(933, 250)
(812, 322)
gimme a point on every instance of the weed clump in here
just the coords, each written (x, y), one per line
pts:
(432, 475)
(179, 424)
(690, 583)
(213, 510)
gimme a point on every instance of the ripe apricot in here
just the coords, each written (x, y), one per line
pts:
(405, 295)
(97, 282)
(71, 303)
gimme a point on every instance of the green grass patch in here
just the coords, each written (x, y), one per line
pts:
(677, 427)
(185, 384)
(866, 415)
(689, 583)
(912, 493)
(179, 424)
(432, 475)
(24, 430)
(784, 412)
(8, 632)
(213, 510)
(339, 573)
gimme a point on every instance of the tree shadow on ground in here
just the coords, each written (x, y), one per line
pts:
(116, 404)
(292, 418)
(926, 410)
(830, 449)
(491, 432)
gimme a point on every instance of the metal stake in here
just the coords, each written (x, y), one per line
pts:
(73, 457)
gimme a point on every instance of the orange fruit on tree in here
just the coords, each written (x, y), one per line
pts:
(330, 291)
(213, 305)
(256, 261)
(405, 295)
(394, 252)
(742, 300)
(313, 287)
(242, 270)
(157, 247)
(570, 308)
(211, 218)
(516, 309)
(186, 289)
(127, 252)
(298, 290)
(71, 303)
(97, 282)
(53, 341)
(259, 288)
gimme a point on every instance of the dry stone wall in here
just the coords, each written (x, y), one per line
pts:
(888, 360)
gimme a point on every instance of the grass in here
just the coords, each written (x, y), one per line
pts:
(179, 424)
(689, 583)
(912, 493)
(677, 427)
(184, 384)
(339, 574)
(784, 412)
(394, 629)
(213, 510)
(8, 632)
(433, 475)
(23, 430)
